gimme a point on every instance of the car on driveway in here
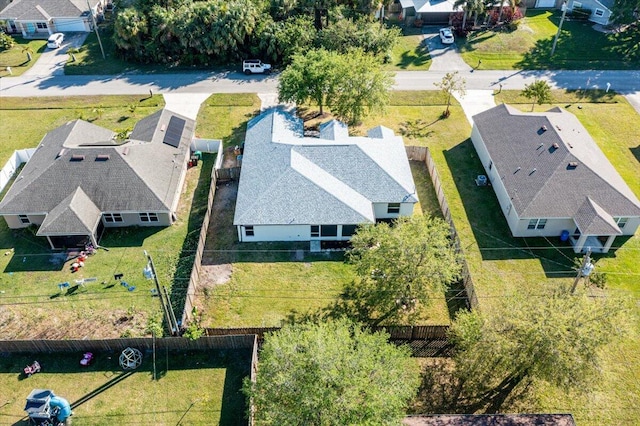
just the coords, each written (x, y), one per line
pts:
(55, 40)
(446, 36)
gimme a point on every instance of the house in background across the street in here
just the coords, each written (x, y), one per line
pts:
(81, 179)
(552, 180)
(298, 188)
(41, 18)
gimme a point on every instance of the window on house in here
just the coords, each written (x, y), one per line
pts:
(248, 231)
(112, 217)
(315, 230)
(577, 4)
(24, 218)
(393, 208)
(41, 25)
(348, 230)
(148, 217)
(599, 12)
(621, 221)
(329, 230)
(537, 224)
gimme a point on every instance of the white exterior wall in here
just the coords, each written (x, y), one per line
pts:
(632, 226)
(380, 210)
(553, 228)
(14, 222)
(276, 233)
(133, 219)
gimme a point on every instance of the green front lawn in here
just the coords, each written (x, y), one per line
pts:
(410, 53)
(529, 47)
(16, 58)
(194, 388)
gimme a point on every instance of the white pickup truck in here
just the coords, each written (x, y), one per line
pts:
(255, 66)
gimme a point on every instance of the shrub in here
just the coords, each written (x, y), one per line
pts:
(6, 41)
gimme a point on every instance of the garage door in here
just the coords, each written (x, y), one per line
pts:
(70, 25)
(546, 3)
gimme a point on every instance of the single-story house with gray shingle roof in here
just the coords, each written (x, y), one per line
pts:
(550, 176)
(81, 180)
(40, 18)
(298, 188)
(429, 11)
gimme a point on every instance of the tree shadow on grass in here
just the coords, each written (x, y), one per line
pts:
(416, 58)
(488, 224)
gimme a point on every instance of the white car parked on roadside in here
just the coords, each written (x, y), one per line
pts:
(55, 40)
(446, 36)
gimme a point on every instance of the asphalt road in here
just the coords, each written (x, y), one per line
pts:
(623, 82)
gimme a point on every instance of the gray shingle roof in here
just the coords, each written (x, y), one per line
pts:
(76, 214)
(33, 9)
(287, 178)
(134, 176)
(551, 173)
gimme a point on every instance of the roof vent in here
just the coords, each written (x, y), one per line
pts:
(572, 165)
(543, 128)
(125, 151)
(77, 157)
(533, 171)
(102, 157)
(61, 153)
(539, 146)
(555, 145)
(162, 129)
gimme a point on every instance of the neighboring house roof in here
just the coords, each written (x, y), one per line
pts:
(426, 6)
(34, 10)
(551, 173)
(291, 179)
(79, 166)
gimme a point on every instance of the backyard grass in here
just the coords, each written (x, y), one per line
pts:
(192, 388)
(225, 116)
(32, 304)
(502, 265)
(16, 57)
(529, 47)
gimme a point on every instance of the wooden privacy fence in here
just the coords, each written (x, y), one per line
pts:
(422, 153)
(424, 340)
(194, 278)
(228, 173)
(116, 345)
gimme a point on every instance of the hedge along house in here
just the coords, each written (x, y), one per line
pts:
(81, 180)
(41, 18)
(298, 188)
(551, 178)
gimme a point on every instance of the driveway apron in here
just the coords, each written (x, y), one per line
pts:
(444, 57)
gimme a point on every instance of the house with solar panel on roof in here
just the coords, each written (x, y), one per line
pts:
(299, 188)
(81, 179)
(552, 180)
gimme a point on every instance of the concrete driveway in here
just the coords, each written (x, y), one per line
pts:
(52, 61)
(444, 57)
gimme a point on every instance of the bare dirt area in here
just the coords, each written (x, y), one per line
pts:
(216, 261)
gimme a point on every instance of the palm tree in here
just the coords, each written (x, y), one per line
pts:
(463, 5)
(477, 7)
(29, 51)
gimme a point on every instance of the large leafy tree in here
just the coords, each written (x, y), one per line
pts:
(539, 91)
(310, 77)
(399, 269)
(352, 84)
(361, 87)
(626, 11)
(554, 339)
(333, 373)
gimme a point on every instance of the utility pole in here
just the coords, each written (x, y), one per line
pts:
(95, 27)
(555, 40)
(584, 271)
